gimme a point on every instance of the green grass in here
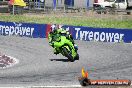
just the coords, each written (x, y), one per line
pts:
(76, 21)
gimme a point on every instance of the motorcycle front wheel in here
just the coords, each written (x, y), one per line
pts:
(67, 54)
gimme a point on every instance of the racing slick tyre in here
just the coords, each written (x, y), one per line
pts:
(68, 55)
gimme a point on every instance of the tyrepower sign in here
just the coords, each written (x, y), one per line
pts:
(16, 29)
(100, 34)
(22, 29)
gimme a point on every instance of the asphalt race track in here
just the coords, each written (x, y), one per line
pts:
(38, 66)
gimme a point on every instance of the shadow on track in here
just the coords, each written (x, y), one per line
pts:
(62, 60)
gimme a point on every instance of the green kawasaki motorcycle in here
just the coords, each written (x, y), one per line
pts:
(64, 46)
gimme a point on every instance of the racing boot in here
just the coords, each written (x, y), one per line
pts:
(76, 47)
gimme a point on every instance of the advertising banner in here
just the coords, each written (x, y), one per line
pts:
(100, 34)
(22, 29)
(78, 32)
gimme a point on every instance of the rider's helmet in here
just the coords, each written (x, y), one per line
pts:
(53, 28)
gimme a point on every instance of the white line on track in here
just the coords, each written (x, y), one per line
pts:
(13, 87)
(56, 86)
(70, 86)
(66, 86)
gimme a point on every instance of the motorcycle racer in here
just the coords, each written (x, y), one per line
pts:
(54, 36)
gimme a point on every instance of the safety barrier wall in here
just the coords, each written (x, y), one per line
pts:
(78, 32)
